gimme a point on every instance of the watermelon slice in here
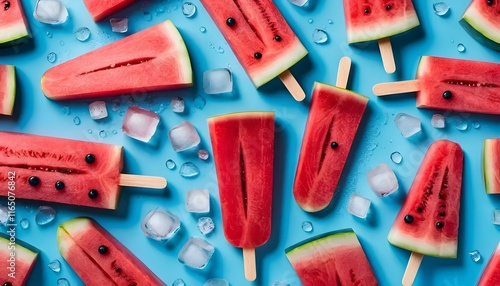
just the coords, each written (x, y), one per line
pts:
(429, 218)
(14, 28)
(369, 20)
(243, 148)
(331, 259)
(481, 20)
(333, 122)
(491, 274)
(101, 9)
(162, 62)
(98, 258)
(7, 89)
(259, 36)
(16, 269)
(60, 170)
(491, 165)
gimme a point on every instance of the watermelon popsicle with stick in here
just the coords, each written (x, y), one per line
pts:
(261, 39)
(243, 148)
(65, 171)
(451, 84)
(428, 221)
(370, 20)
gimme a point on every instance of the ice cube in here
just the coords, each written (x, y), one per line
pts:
(438, 121)
(382, 180)
(189, 170)
(160, 224)
(25, 223)
(408, 125)
(82, 34)
(55, 265)
(216, 282)
(441, 8)
(196, 253)
(198, 201)
(475, 255)
(44, 215)
(4, 215)
(184, 136)
(205, 225)
(218, 81)
(358, 206)
(140, 123)
(299, 3)
(51, 12)
(496, 217)
(307, 226)
(98, 110)
(177, 104)
(203, 154)
(319, 36)
(119, 25)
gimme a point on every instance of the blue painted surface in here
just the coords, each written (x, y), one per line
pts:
(378, 138)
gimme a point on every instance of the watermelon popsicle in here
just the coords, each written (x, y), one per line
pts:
(451, 84)
(243, 148)
(65, 171)
(261, 39)
(370, 20)
(428, 221)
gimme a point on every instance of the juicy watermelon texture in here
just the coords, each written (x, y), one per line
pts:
(482, 22)
(7, 89)
(13, 24)
(26, 256)
(491, 165)
(491, 274)
(100, 9)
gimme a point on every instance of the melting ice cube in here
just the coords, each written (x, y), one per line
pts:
(475, 255)
(205, 225)
(216, 282)
(189, 170)
(218, 81)
(319, 36)
(358, 206)
(55, 265)
(4, 215)
(438, 121)
(307, 226)
(198, 201)
(441, 8)
(50, 12)
(382, 180)
(177, 104)
(119, 25)
(98, 110)
(44, 215)
(203, 154)
(184, 136)
(196, 253)
(140, 123)
(299, 3)
(408, 125)
(160, 224)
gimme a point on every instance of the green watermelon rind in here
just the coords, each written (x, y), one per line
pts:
(243, 114)
(479, 28)
(332, 235)
(419, 246)
(23, 250)
(488, 170)
(180, 46)
(17, 34)
(359, 96)
(10, 99)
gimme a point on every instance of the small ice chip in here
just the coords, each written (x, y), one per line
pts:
(382, 180)
(218, 81)
(319, 36)
(62, 282)
(119, 25)
(24, 223)
(216, 282)
(55, 265)
(140, 123)
(177, 104)
(438, 121)
(188, 170)
(188, 9)
(98, 110)
(184, 136)
(160, 224)
(475, 256)
(307, 226)
(44, 215)
(51, 12)
(299, 3)
(408, 125)
(496, 217)
(205, 225)
(198, 201)
(441, 8)
(4, 214)
(461, 125)
(358, 206)
(82, 34)
(196, 253)
(203, 154)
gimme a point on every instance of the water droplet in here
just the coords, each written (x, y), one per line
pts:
(396, 157)
(310, 21)
(188, 9)
(475, 256)
(199, 102)
(55, 265)
(52, 57)
(82, 34)
(307, 226)
(103, 134)
(203, 154)
(147, 16)
(115, 132)
(280, 283)
(461, 125)
(188, 170)
(330, 21)
(220, 50)
(61, 43)
(441, 8)
(62, 282)
(476, 125)
(319, 36)
(203, 29)
(66, 110)
(461, 48)
(77, 120)
(452, 40)
(44, 215)
(160, 10)
(170, 164)
(49, 35)
(179, 282)
(89, 131)
(24, 223)
(372, 146)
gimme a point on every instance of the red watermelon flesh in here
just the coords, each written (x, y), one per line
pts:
(482, 21)
(259, 36)
(79, 241)
(102, 9)
(491, 165)
(491, 274)
(7, 89)
(162, 62)
(51, 160)
(334, 118)
(331, 259)
(16, 271)
(429, 218)
(474, 85)
(14, 28)
(368, 20)
(243, 148)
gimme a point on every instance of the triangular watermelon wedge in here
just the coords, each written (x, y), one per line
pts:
(491, 274)
(150, 60)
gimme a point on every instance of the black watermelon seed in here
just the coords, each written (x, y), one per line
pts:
(388, 7)
(489, 2)
(103, 249)
(334, 145)
(277, 38)
(5, 8)
(34, 181)
(439, 224)
(409, 218)
(118, 270)
(442, 213)
(230, 22)
(447, 94)
(59, 185)
(132, 284)
(7, 284)
(257, 55)
(419, 209)
(90, 158)
(93, 194)
(367, 10)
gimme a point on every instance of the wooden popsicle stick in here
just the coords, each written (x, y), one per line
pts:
(150, 182)
(412, 268)
(396, 87)
(387, 56)
(343, 72)
(292, 85)
(249, 264)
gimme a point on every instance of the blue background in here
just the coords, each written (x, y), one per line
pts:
(377, 139)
